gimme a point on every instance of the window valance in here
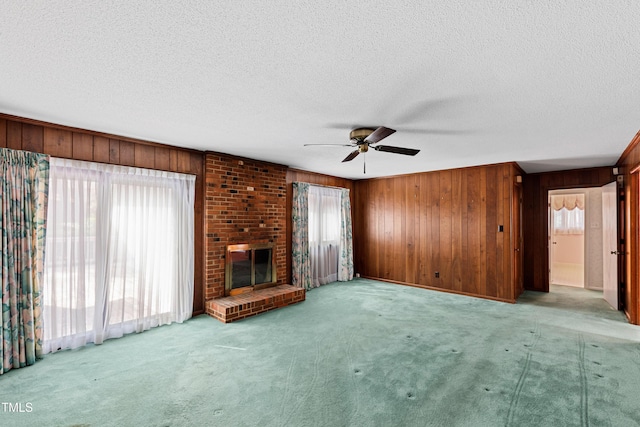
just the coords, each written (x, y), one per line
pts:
(567, 201)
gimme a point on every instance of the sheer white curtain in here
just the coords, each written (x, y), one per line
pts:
(119, 252)
(568, 213)
(324, 233)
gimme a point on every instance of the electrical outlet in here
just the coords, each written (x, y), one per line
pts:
(437, 274)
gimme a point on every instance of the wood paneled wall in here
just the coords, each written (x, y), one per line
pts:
(72, 143)
(410, 228)
(536, 192)
(295, 175)
(629, 164)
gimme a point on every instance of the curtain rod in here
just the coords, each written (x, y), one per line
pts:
(321, 185)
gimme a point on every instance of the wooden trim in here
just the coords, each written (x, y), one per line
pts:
(632, 245)
(631, 147)
(635, 169)
(449, 291)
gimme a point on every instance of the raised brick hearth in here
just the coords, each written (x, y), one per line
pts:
(236, 307)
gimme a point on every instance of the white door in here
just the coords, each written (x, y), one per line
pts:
(610, 245)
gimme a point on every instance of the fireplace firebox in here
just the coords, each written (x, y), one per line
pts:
(249, 267)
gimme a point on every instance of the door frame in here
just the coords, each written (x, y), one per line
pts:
(577, 190)
(631, 244)
(606, 247)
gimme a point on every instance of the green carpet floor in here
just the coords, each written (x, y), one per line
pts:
(363, 353)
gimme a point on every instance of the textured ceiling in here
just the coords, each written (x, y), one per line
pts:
(550, 84)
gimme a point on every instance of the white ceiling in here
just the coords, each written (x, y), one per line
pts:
(550, 84)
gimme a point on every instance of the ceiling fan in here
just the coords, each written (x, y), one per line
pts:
(364, 138)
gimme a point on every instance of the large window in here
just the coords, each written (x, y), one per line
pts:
(321, 236)
(324, 233)
(119, 255)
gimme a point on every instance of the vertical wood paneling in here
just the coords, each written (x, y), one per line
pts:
(145, 156)
(399, 230)
(58, 143)
(434, 241)
(491, 214)
(197, 169)
(114, 151)
(388, 247)
(455, 238)
(630, 262)
(161, 155)
(184, 161)
(32, 138)
(445, 222)
(3, 133)
(14, 135)
(482, 236)
(423, 194)
(173, 160)
(517, 238)
(82, 146)
(128, 154)
(472, 283)
(502, 243)
(507, 272)
(446, 246)
(101, 149)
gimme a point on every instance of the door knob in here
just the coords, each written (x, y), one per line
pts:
(616, 253)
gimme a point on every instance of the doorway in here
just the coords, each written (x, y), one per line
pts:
(567, 238)
(581, 223)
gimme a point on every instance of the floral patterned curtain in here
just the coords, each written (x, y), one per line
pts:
(300, 264)
(24, 182)
(345, 266)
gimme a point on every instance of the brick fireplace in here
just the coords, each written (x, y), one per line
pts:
(245, 203)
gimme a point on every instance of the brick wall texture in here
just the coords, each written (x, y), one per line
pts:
(245, 202)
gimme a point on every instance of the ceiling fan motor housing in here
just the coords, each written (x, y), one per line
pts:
(358, 135)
